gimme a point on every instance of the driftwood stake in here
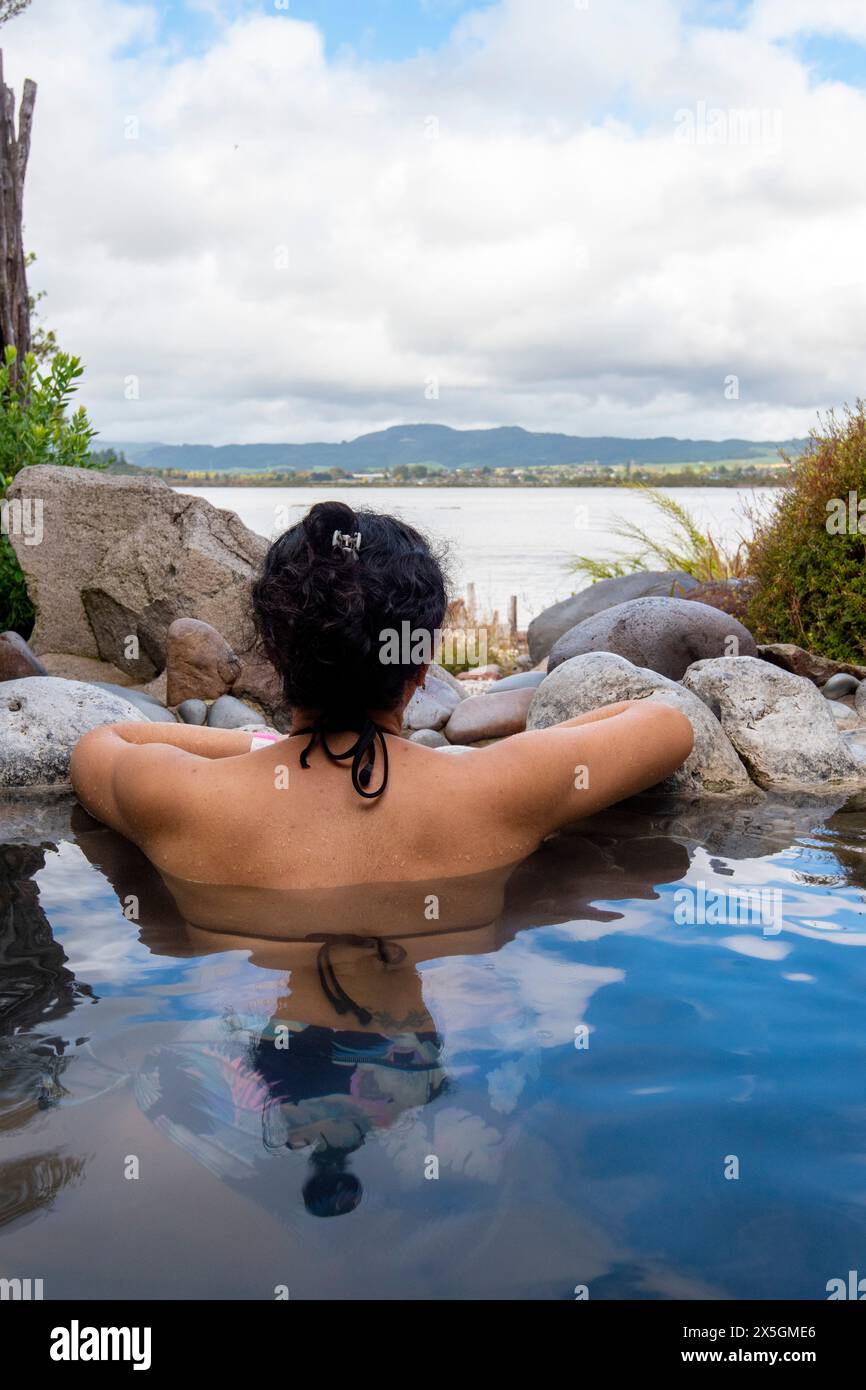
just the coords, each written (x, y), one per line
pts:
(14, 153)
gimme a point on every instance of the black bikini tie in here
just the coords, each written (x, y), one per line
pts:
(362, 752)
(388, 952)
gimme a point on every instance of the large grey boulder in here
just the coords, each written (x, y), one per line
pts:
(41, 720)
(600, 678)
(561, 617)
(779, 723)
(664, 634)
(122, 557)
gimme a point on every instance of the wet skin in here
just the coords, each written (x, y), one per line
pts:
(212, 815)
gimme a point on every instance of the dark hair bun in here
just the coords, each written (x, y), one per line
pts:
(323, 613)
(323, 519)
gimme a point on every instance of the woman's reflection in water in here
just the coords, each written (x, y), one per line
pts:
(349, 1047)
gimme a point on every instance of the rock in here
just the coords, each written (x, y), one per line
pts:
(192, 712)
(426, 712)
(122, 557)
(200, 664)
(440, 692)
(259, 682)
(780, 725)
(662, 634)
(42, 720)
(489, 716)
(553, 623)
(473, 687)
(429, 738)
(523, 680)
(157, 689)
(441, 674)
(83, 668)
(819, 669)
(35, 816)
(490, 672)
(860, 699)
(151, 708)
(728, 595)
(845, 716)
(230, 713)
(16, 659)
(840, 684)
(600, 678)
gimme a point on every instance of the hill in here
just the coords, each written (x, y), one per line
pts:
(443, 447)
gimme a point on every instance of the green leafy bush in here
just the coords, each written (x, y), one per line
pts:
(809, 554)
(35, 427)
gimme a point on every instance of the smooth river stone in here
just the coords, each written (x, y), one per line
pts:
(429, 738)
(839, 685)
(658, 634)
(200, 663)
(229, 713)
(521, 680)
(489, 716)
(16, 658)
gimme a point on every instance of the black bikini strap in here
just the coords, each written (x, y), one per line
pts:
(362, 752)
(388, 952)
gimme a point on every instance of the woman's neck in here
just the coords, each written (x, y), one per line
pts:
(391, 721)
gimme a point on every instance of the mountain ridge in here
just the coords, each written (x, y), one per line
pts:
(442, 446)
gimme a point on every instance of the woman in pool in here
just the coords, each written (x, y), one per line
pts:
(343, 800)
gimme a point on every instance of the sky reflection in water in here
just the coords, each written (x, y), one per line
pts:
(581, 1070)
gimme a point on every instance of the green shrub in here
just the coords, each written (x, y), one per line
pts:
(16, 610)
(810, 565)
(35, 427)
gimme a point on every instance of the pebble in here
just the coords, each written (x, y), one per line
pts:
(229, 713)
(521, 680)
(429, 738)
(192, 711)
(839, 685)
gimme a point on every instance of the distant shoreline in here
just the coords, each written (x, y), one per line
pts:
(663, 480)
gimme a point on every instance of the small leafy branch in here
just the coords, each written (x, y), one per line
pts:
(34, 424)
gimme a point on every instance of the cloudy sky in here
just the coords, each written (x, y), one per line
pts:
(305, 219)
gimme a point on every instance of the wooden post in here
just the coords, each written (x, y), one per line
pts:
(14, 153)
(470, 600)
(512, 617)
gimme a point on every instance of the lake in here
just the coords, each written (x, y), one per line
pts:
(505, 540)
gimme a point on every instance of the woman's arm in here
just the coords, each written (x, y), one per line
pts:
(192, 738)
(547, 778)
(134, 777)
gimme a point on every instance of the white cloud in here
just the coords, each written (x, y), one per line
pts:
(783, 18)
(285, 253)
